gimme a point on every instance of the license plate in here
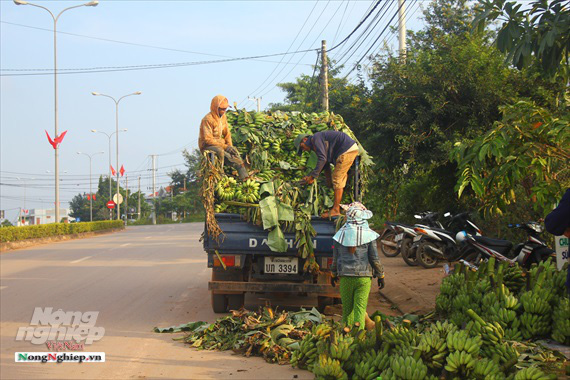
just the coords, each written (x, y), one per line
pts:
(399, 237)
(417, 238)
(281, 265)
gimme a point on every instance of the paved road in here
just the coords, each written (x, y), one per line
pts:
(143, 277)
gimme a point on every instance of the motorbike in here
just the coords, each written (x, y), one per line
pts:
(397, 237)
(434, 244)
(533, 251)
(406, 234)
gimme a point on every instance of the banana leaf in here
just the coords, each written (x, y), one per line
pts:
(276, 240)
(191, 326)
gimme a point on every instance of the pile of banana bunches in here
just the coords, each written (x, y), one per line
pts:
(525, 304)
(438, 350)
(265, 142)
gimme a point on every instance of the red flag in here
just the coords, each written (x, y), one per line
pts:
(113, 172)
(94, 197)
(88, 197)
(58, 139)
(122, 171)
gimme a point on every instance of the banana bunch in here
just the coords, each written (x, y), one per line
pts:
(258, 119)
(409, 368)
(491, 332)
(561, 318)
(243, 118)
(460, 363)
(319, 127)
(534, 325)
(433, 349)
(267, 175)
(443, 328)
(225, 188)
(502, 353)
(486, 369)
(328, 368)
(220, 207)
(513, 278)
(531, 373)
(322, 330)
(400, 336)
(306, 355)
(248, 192)
(536, 301)
(341, 347)
(442, 304)
(372, 363)
(460, 341)
(508, 320)
(450, 285)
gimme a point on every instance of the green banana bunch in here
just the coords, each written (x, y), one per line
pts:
(434, 349)
(410, 367)
(561, 318)
(248, 192)
(491, 332)
(503, 354)
(327, 368)
(442, 304)
(322, 330)
(460, 341)
(341, 347)
(460, 363)
(372, 363)
(534, 325)
(531, 373)
(536, 302)
(306, 355)
(225, 188)
(486, 369)
(513, 278)
(443, 328)
(400, 336)
(220, 207)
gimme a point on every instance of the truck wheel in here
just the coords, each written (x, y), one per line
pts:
(323, 302)
(235, 301)
(219, 303)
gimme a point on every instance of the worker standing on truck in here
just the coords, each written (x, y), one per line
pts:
(331, 147)
(355, 261)
(215, 135)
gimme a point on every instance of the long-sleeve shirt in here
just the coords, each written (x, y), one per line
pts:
(364, 262)
(214, 132)
(559, 219)
(328, 145)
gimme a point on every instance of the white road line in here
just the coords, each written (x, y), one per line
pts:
(80, 260)
(124, 245)
(3, 287)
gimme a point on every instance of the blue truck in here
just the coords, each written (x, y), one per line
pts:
(242, 262)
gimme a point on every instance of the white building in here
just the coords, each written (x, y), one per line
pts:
(42, 216)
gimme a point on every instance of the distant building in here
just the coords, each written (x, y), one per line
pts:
(42, 216)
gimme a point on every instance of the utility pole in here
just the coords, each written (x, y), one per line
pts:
(258, 100)
(139, 213)
(325, 77)
(402, 29)
(184, 212)
(154, 187)
(172, 202)
(127, 200)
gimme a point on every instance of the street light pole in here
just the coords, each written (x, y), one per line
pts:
(109, 137)
(55, 18)
(117, 133)
(90, 189)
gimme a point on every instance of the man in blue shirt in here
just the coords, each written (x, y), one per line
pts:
(331, 147)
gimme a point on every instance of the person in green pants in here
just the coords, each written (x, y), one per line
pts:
(355, 261)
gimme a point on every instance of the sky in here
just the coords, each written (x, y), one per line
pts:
(165, 118)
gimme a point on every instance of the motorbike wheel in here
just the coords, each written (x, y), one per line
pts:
(390, 248)
(538, 256)
(424, 258)
(472, 256)
(408, 254)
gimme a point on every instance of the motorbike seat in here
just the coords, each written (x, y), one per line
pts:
(502, 246)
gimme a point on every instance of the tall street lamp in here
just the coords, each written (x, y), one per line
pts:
(55, 18)
(90, 190)
(117, 136)
(109, 137)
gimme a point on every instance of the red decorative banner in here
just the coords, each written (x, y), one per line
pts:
(122, 171)
(58, 139)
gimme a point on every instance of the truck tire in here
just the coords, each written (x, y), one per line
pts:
(235, 301)
(219, 303)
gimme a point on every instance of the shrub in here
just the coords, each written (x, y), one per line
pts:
(9, 234)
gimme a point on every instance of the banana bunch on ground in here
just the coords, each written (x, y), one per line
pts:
(400, 337)
(409, 368)
(460, 341)
(513, 278)
(372, 363)
(532, 373)
(226, 188)
(536, 320)
(491, 332)
(306, 355)
(248, 192)
(508, 320)
(340, 347)
(460, 364)
(486, 369)
(433, 349)
(561, 318)
(329, 369)
(267, 175)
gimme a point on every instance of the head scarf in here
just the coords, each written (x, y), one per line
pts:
(219, 101)
(355, 231)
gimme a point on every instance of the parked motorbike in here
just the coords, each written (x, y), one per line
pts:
(388, 244)
(533, 251)
(406, 234)
(435, 244)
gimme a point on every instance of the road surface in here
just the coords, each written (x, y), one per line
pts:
(136, 279)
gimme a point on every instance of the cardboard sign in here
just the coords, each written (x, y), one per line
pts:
(561, 243)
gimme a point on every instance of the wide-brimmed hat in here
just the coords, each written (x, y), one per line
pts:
(355, 231)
